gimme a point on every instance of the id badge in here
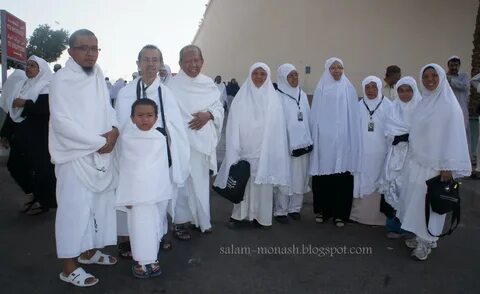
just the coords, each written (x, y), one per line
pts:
(300, 116)
(371, 126)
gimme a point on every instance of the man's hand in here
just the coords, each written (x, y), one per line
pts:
(446, 175)
(18, 102)
(199, 120)
(111, 141)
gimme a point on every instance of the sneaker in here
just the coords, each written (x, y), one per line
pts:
(339, 223)
(319, 218)
(421, 252)
(412, 243)
(282, 219)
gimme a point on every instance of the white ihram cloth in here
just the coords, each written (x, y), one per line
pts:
(437, 142)
(334, 125)
(31, 88)
(398, 123)
(178, 141)
(11, 88)
(80, 112)
(373, 145)
(193, 95)
(298, 137)
(257, 132)
(144, 184)
(166, 79)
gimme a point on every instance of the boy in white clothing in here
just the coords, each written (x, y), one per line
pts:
(144, 185)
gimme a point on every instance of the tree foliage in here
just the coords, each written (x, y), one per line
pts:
(47, 43)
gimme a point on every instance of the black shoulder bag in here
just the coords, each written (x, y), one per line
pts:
(443, 197)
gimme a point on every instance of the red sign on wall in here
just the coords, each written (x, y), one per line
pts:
(16, 36)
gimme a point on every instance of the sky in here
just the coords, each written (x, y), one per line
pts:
(122, 27)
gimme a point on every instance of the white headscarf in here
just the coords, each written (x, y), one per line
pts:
(256, 129)
(11, 88)
(398, 122)
(32, 88)
(437, 137)
(298, 131)
(334, 125)
(166, 79)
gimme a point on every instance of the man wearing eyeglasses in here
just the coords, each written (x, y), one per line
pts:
(82, 137)
(149, 85)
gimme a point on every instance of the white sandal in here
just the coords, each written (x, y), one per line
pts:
(95, 259)
(78, 278)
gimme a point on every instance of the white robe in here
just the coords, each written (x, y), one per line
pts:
(373, 145)
(397, 124)
(193, 95)
(256, 132)
(437, 142)
(80, 112)
(145, 185)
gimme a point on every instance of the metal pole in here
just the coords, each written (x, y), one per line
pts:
(4, 46)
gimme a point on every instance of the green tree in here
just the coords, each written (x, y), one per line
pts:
(47, 43)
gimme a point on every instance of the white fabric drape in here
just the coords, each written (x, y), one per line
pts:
(31, 88)
(334, 125)
(398, 123)
(435, 139)
(194, 95)
(179, 145)
(164, 80)
(11, 88)
(256, 131)
(143, 167)
(373, 144)
(80, 112)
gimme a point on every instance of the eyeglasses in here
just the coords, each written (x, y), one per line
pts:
(85, 49)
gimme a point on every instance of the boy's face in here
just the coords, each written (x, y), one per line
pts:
(144, 117)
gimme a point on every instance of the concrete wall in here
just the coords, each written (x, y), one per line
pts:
(367, 35)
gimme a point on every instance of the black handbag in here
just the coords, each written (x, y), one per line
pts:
(301, 151)
(237, 181)
(443, 197)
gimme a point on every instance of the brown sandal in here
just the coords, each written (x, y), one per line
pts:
(181, 233)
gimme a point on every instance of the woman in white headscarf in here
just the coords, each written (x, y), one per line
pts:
(438, 146)
(256, 132)
(335, 133)
(297, 115)
(374, 110)
(397, 130)
(30, 110)
(165, 74)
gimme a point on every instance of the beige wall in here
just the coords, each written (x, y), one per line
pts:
(367, 35)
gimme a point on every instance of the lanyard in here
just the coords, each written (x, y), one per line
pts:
(370, 111)
(143, 89)
(296, 101)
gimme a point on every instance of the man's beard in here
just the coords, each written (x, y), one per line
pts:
(88, 69)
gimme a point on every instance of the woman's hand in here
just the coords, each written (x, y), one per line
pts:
(446, 175)
(18, 102)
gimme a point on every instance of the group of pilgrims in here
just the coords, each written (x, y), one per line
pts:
(119, 172)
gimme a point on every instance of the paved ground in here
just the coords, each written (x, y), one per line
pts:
(293, 258)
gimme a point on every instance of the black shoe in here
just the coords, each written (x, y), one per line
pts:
(233, 223)
(260, 226)
(295, 216)
(282, 219)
